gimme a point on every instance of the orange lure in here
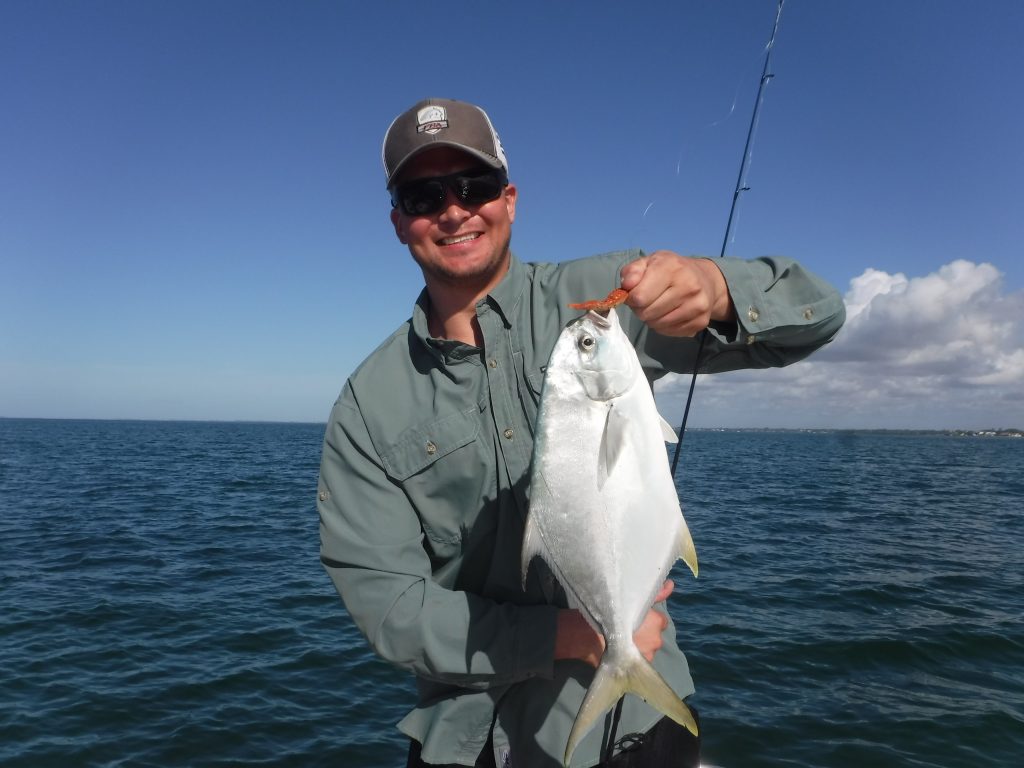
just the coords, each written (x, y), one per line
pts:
(613, 299)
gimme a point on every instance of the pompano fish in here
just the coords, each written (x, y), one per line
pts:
(604, 513)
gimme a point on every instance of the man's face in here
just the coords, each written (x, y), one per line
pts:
(461, 245)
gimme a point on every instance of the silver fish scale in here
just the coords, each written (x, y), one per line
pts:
(604, 513)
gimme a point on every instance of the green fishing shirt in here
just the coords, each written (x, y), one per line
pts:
(423, 498)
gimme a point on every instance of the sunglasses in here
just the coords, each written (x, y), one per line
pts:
(422, 197)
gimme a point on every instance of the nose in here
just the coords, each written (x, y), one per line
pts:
(454, 210)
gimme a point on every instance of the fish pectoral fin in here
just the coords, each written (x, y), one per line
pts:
(613, 444)
(667, 432)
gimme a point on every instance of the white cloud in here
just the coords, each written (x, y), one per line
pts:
(941, 351)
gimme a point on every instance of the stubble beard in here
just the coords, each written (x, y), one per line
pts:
(484, 277)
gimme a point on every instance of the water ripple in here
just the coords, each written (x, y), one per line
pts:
(860, 601)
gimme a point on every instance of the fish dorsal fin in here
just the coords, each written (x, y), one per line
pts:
(532, 545)
(613, 441)
(535, 546)
(667, 431)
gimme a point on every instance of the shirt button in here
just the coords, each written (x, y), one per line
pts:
(508, 434)
(753, 314)
(808, 313)
(751, 339)
(324, 495)
(493, 363)
(431, 448)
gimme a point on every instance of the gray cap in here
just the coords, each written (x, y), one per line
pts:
(441, 123)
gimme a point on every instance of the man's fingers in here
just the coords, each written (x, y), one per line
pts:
(633, 273)
(665, 591)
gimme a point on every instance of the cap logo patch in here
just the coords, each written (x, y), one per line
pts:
(431, 119)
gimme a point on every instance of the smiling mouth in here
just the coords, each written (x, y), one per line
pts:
(459, 239)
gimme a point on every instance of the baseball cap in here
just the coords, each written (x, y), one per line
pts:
(441, 123)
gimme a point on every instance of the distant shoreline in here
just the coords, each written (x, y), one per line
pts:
(993, 432)
(1001, 432)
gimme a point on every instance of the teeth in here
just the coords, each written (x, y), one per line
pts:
(459, 239)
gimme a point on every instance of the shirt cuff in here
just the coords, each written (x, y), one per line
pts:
(753, 314)
(535, 654)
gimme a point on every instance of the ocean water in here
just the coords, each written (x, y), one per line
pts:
(861, 601)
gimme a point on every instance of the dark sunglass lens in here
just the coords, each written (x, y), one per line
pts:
(426, 196)
(422, 198)
(479, 189)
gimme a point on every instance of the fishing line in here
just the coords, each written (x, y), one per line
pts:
(741, 187)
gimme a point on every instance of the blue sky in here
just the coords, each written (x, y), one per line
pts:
(193, 222)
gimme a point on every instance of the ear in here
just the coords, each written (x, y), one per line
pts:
(510, 201)
(399, 225)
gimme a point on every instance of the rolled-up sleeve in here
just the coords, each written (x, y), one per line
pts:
(372, 548)
(783, 313)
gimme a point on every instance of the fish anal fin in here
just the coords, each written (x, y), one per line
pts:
(686, 550)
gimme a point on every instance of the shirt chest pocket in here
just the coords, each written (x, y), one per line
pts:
(442, 466)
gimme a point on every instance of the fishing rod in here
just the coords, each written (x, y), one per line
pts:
(741, 187)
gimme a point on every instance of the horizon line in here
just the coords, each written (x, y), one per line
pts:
(944, 430)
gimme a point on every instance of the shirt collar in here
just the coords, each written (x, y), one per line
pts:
(503, 299)
(506, 294)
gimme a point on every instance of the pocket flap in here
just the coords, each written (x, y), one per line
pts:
(420, 446)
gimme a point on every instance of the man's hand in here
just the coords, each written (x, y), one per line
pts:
(576, 639)
(677, 295)
(648, 636)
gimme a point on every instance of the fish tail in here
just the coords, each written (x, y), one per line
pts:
(611, 681)
(645, 682)
(605, 689)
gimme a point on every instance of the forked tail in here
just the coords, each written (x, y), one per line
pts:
(626, 672)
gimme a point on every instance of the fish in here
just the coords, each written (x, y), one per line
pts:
(603, 513)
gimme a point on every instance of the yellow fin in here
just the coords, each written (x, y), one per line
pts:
(687, 552)
(612, 680)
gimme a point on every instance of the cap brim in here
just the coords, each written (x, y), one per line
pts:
(488, 160)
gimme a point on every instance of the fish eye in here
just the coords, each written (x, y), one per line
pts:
(586, 343)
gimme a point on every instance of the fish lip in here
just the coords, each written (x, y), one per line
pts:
(598, 317)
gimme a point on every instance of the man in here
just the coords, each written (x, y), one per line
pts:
(423, 480)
